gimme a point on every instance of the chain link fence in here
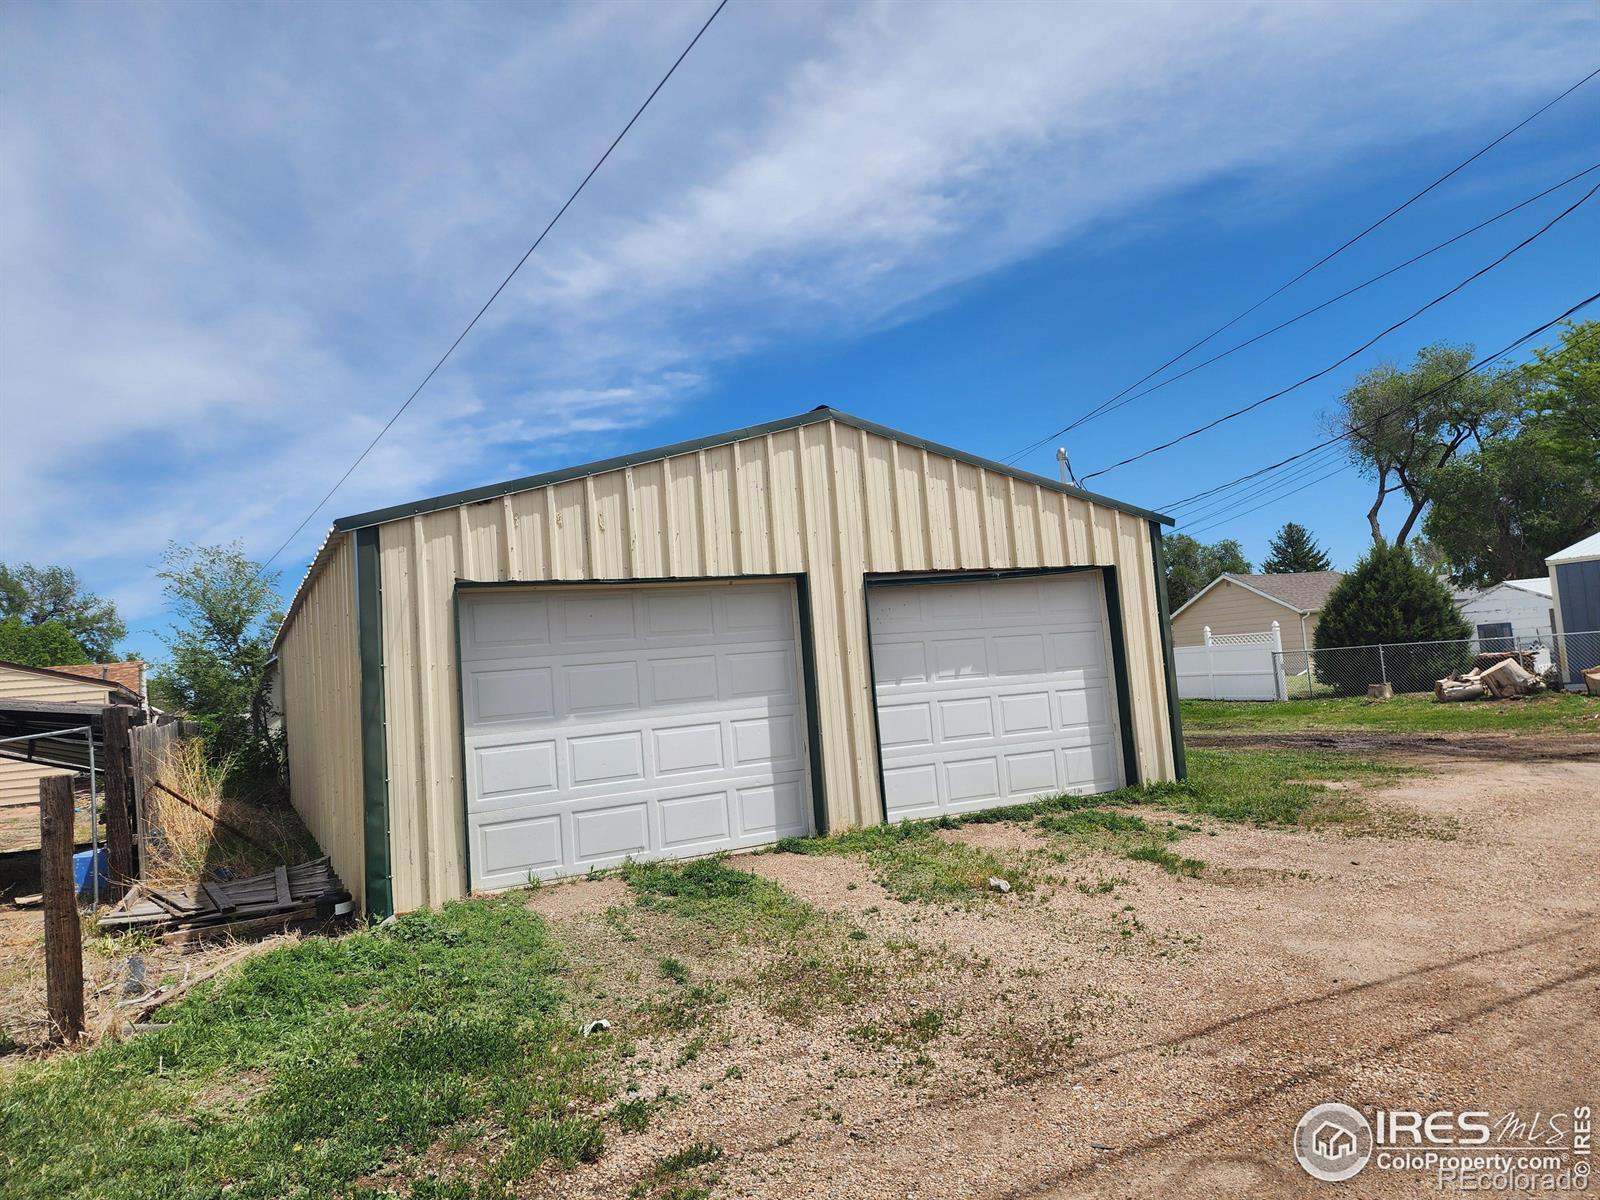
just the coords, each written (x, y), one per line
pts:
(1414, 666)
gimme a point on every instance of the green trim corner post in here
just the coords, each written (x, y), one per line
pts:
(374, 737)
(1158, 556)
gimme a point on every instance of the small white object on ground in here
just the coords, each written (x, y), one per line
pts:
(996, 884)
(594, 1027)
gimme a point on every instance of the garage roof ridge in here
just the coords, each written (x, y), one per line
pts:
(380, 516)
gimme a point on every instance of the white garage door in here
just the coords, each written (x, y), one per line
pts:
(992, 692)
(603, 723)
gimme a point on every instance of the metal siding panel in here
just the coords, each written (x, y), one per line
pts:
(321, 702)
(608, 526)
(782, 454)
(884, 531)
(717, 503)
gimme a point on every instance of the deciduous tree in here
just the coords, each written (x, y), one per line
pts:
(1191, 565)
(1402, 427)
(39, 595)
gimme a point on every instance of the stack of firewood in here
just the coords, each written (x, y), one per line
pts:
(1506, 679)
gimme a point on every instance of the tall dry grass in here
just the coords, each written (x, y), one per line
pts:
(186, 844)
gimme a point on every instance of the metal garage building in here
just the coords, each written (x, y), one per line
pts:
(786, 629)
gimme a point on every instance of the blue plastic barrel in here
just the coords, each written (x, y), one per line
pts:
(80, 869)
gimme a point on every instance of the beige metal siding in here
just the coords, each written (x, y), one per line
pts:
(321, 681)
(828, 500)
(19, 784)
(33, 685)
(1229, 608)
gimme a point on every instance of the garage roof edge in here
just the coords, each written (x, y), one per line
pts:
(380, 516)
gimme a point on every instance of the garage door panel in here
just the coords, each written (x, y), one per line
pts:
(683, 680)
(765, 673)
(672, 615)
(686, 748)
(525, 694)
(911, 790)
(1032, 772)
(968, 717)
(502, 626)
(770, 811)
(695, 821)
(775, 740)
(667, 731)
(509, 851)
(899, 662)
(606, 758)
(519, 769)
(610, 832)
(593, 616)
(600, 687)
(1018, 703)
(1025, 713)
(960, 658)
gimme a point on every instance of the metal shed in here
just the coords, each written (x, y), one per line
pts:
(791, 628)
(1575, 599)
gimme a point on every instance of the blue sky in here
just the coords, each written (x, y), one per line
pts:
(236, 236)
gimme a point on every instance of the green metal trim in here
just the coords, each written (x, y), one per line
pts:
(808, 671)
(1158, 562)
(1119, 666)
(461, 738)
(374, 737)
(495, 490)
(806, 636)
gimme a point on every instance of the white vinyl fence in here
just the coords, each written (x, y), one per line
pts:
(1233, 666)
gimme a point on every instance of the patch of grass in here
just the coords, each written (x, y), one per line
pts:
(633, 1116)
(720, 898)
(665, 1181)
(1276, 787)
(1172, 864)
(674, 970)
(319, 1063)
(913, 865)
(1093, 820)
(1551, 713)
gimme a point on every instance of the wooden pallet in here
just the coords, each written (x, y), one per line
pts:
(215, 908)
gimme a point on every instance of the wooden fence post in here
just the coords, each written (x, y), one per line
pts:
(63, 936)
(119, 798)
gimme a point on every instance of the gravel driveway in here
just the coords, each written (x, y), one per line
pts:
(1114, 1030)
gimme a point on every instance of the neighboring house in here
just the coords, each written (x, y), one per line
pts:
(1575, 594)
(1515, 612)
(803, 626)
(19, 781)
(1251, 603)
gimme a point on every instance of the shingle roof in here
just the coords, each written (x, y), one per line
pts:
(1304, 591)
(129, 675)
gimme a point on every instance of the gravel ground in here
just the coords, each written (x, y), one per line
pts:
(1116, 1031)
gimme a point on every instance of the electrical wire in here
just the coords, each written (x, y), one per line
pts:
(600, 162)
(1368, 344)
(1171, 379)
(1394, 212)
(1339, 470)
(1311, 451)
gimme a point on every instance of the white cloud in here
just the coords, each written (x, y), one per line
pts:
(235, 237)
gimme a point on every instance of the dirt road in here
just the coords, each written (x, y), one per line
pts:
(1162, 1036)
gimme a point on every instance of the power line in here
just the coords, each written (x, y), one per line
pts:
(1339, 470)
(1171, 379)
(1394, 212)
(1238, 412)
(1483, 362)
(510, 275)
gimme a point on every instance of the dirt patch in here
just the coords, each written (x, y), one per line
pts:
(1119, 1031)
(1496, 747)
